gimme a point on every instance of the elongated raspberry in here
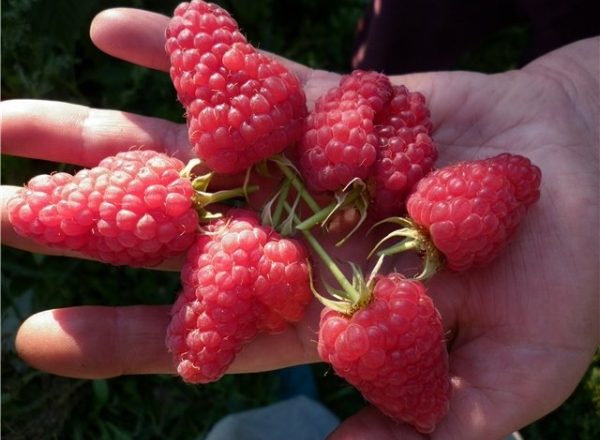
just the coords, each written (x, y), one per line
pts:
(241, 105)
(392, 350)
(470, 210)
(406, 152)
(340, 140)
(132, 209)
(239, 278)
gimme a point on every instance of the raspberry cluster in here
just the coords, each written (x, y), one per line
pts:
(340, 141)
(239, 278)
(366, 144)
(370, 130)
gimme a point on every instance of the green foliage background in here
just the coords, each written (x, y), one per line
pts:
(47, 54)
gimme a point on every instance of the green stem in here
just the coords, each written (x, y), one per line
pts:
(316, 218)
(283, 195)
(323, 214)
(292, 177)
(353, 295)
(404, 245)
(186, 172)
(204, 198)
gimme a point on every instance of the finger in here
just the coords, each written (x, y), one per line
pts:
(132, 35)
(96, 342)
(464, 420)
(81, 135)
(453, 98)
(370, 423)
(138, 36)
(99, 342)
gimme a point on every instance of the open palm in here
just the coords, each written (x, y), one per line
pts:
(521, 332)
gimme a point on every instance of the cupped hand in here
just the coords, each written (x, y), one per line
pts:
(523, 330)
(520, 332)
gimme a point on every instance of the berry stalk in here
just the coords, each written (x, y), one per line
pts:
(351, 292)
(286, 168)
(354, 194)
(281, 198)
(201, 197)
(416, 239)
(321, 216)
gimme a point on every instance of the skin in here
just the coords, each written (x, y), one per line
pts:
(521, 332)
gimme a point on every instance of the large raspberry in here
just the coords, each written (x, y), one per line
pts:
(132, 209)
(239, 278)
(470, 210)
(392, 350)
(242, 105)
(406, 152)
(340, 141)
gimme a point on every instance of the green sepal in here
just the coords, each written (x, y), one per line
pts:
(415, 238)
(200, 183)
(355, 194)
(186, 172)
(286, 228)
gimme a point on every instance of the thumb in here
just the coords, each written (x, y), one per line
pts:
(370, 423)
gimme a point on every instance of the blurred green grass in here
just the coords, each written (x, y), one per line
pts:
(46, 54)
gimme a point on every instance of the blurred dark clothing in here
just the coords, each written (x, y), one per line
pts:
(399, 36)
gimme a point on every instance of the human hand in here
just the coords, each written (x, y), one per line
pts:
(523, 330)
(61, 341)
(498, 336)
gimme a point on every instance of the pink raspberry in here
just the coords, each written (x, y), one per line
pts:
(242, 105)
(406, 152)
(392, 350)
(340, 140)
(239, 278)
(470, 210)
(132, 209)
